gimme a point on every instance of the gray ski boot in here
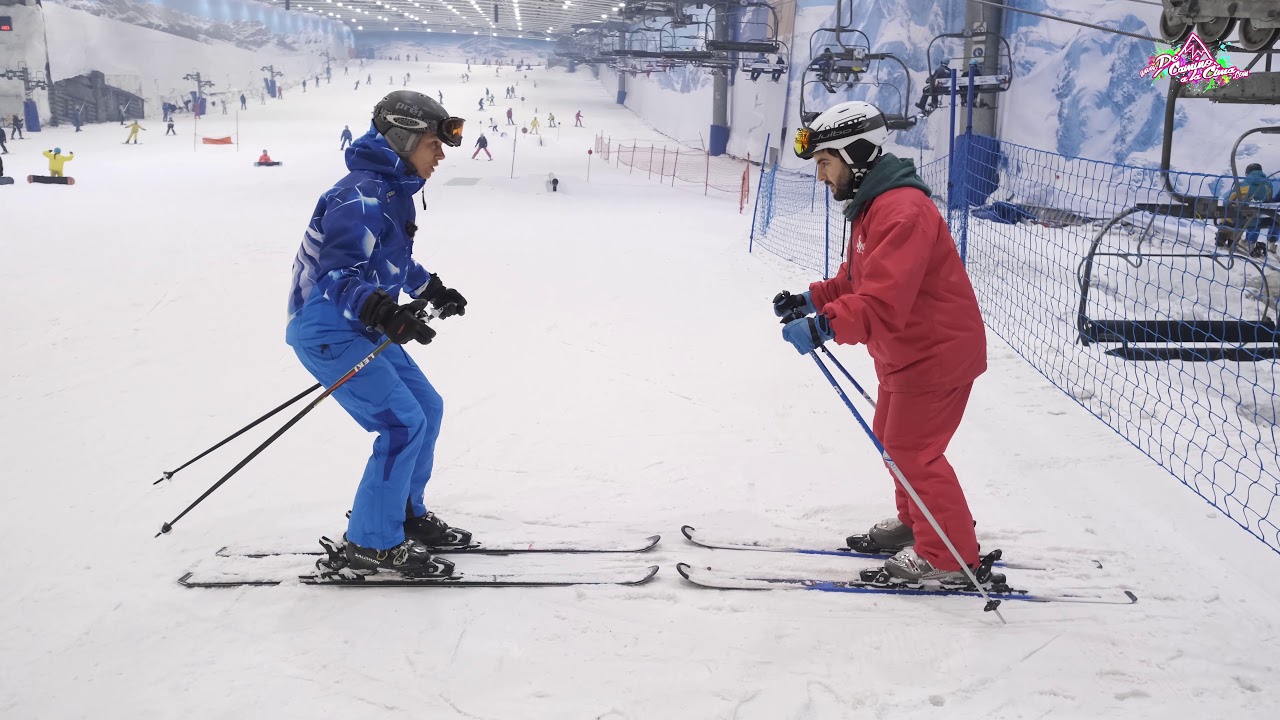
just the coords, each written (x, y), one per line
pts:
(907, 565)
(885, 538)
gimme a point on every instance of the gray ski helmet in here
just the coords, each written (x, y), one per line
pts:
(1252, 167)
(404, 116)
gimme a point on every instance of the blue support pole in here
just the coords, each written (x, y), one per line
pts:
(951, 153)
(826, 233)
(964, 181)
(764, 161)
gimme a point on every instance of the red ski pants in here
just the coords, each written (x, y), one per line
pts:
(915, 429)
(477, 152)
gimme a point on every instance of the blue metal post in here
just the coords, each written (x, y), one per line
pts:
(826, 233)
(764, 160)
(951, 153)
(964, 182)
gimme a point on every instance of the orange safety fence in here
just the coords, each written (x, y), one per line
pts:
(680, 166)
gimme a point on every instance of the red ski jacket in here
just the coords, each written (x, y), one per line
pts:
(904, 292)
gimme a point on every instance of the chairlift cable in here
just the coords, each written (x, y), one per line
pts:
(1002, 6)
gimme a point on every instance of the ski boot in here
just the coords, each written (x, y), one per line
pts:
(431, 531)
(907, 565)
(409, 558)
(886, 537)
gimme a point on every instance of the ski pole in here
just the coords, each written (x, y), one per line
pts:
(992, 604)
(168, 474)
(418, 305)
(846, 374)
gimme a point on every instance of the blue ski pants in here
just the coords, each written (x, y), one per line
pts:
(389, 396)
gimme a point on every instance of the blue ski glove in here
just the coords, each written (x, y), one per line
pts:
(785, 303)
(808, 333)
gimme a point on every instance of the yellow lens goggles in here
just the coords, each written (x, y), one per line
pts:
(802, 143)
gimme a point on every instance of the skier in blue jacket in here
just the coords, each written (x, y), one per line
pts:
(1241, 213)
(345, 137)
(355, 259)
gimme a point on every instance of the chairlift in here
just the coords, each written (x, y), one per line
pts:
(843, 63)
(1258, 22)
(989, 75)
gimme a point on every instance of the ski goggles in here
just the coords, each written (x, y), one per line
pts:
(808, 139)
(448, 130)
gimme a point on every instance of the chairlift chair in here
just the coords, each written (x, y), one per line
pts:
(1191, 339)
(989, 75)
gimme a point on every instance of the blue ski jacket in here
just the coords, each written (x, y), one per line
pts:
(359, 240)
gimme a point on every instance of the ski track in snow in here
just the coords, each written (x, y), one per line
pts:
(618, 373)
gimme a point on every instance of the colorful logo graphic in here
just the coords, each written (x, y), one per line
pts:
(1193, 64)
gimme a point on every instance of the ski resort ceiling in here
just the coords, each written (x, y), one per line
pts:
(526, 18)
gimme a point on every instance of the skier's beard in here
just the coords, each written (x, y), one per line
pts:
(845, 189)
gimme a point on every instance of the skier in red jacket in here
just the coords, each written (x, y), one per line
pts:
(904, 293)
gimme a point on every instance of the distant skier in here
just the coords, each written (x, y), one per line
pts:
(482, 143)
(16, 122)
(440, 95)
(345, 137)
(481, 108)
(134, 127)
(509, 120)
(357, 85)
(551, 119)
(57, 160)
(304, 85)
(169, 130)
(244, 104)
(75, 119)
(577, 119)
(345, 300)
(533, 125)
(265, 157)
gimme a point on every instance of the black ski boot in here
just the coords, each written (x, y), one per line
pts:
(884, 538)
(432, 531)
(408, 558)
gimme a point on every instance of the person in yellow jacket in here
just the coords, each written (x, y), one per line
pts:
(133, 132)
(57, 160)
(533, 126)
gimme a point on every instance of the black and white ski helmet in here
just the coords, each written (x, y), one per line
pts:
(404, 116)
(855, 130)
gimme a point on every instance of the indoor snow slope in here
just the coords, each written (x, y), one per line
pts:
(618, 373)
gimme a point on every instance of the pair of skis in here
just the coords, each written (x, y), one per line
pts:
(259, 567)
(329, 570)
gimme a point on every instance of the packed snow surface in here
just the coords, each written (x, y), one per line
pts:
(618, 373)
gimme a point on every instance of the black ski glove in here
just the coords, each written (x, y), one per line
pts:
(400, 323)
(447, 301)
(784, 303)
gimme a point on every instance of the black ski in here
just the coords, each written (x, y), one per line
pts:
(478, 548)
(876, 581)
(460, 578)
(702, 540)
